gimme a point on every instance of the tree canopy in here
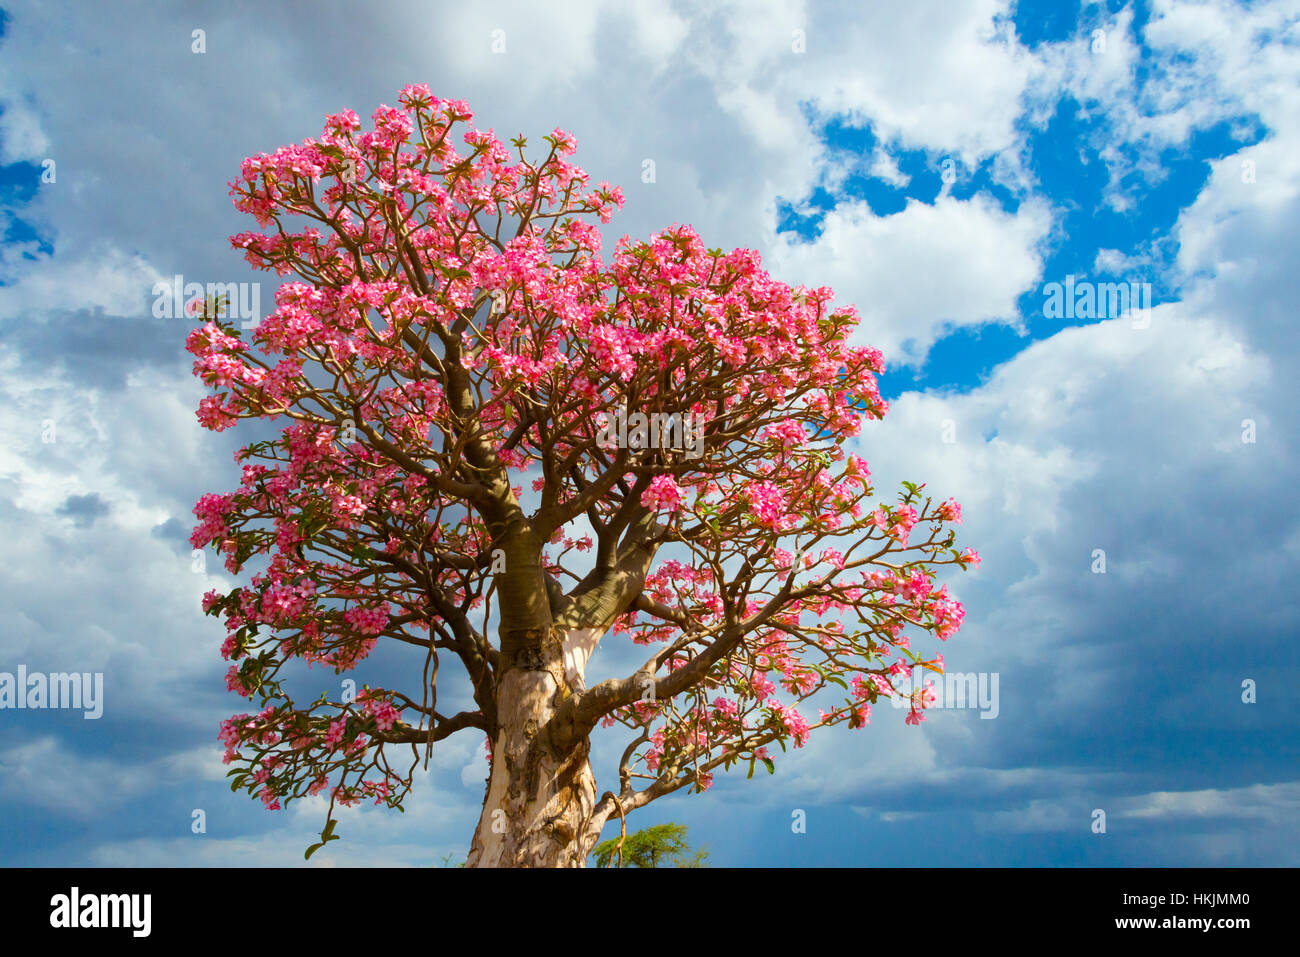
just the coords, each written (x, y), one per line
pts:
(485, 423)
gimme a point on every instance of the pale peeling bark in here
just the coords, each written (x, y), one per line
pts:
(579, 643)
(541, 791)
(541, 807)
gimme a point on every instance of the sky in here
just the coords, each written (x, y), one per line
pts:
(1129, 480)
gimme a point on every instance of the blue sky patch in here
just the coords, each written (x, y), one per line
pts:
(1111, 227)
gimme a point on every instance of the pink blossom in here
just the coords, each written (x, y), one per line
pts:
(334, 736)
(663, 493)
(950, 511)
(368, 621)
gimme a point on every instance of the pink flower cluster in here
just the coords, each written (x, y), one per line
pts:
(368, 621)
(662, 494)
(897, 524)
(769, 506)
(790, 720)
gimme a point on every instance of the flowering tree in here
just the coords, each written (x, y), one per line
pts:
(452, 333)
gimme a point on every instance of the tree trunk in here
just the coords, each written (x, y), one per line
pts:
(541, 790)
(538, 811)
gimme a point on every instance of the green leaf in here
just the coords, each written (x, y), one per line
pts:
(326, 836)
(771, 768)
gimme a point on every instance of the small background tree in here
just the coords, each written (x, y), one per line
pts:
(661, 845)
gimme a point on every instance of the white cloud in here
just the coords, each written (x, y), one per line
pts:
(932, 75)
(654, 27)
(110, 596)
(105, 279)
(45, 773)
(22, 137)
(956, 263)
